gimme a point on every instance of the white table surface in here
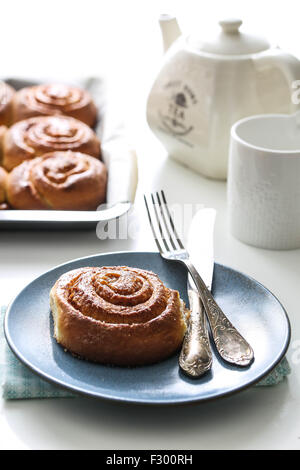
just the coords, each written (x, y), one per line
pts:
(254, 419)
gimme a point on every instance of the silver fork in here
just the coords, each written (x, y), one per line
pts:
(230, 344)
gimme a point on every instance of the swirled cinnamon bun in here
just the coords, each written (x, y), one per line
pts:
(3, 179)
(39, 135)
(117, 315)
(58, 180)
(54, 98)
(6, 100)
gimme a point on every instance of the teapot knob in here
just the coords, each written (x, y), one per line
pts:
(231, 25)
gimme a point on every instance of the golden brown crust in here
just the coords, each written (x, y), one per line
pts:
(58, 180)
(6, 104)
(3, 179)
(3, 130)
(117, 315)
(54, 99)
(39, 135)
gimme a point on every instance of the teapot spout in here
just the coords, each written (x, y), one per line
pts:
(169, 29)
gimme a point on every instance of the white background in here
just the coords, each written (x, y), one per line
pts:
(121, 39)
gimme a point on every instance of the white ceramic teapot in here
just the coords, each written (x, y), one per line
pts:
(206, 86)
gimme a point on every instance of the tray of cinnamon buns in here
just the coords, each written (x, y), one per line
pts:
(65, 160)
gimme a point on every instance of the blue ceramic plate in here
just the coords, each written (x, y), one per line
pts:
(250, 306)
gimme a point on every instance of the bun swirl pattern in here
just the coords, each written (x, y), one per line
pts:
(117, 315)
(58, 180)
(54, 98)
(36, 136)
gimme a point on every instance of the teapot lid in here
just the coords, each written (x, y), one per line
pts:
(230, 41)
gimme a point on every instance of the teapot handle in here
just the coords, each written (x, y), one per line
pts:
(288, 65)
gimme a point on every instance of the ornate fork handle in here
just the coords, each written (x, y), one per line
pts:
(230, 344)
(195, 358)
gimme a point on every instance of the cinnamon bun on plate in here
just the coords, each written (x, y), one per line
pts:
(117, 315)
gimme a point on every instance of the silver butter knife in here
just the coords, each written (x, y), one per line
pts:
(196, 358)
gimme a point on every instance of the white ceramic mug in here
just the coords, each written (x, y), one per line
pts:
(264, 181)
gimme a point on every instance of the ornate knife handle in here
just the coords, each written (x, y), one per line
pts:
(230, 344)
(195, 358)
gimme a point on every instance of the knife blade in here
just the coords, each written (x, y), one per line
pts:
(200, 245)
(196, 357)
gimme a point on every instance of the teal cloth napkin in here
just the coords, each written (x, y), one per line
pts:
(18, 382)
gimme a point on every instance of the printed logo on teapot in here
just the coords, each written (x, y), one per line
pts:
(174, 114)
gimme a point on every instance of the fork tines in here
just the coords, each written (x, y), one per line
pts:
(161, 222)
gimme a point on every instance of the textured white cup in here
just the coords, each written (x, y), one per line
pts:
(264, 181)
